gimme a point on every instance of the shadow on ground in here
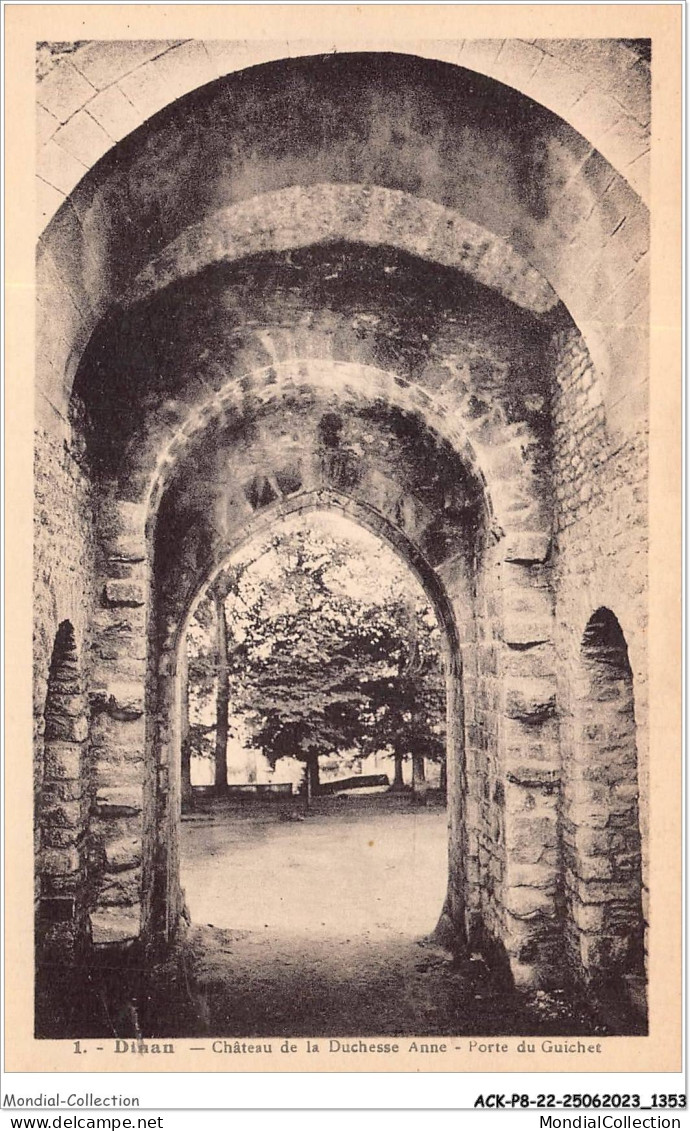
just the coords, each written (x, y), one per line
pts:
(321, 926)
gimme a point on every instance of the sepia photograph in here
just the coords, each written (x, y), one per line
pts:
(341, 549)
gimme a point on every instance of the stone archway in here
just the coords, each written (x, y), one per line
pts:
(89, 98)
(554, 233)
(186, 559)
(601, 817)
(453, 912)
(448, 447)
(195, 332)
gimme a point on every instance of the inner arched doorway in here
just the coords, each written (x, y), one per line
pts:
(444, 459)
(277, 517)
(352, 881)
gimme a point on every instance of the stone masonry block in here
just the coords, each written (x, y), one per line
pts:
(588, 916)
(63, 760)
(530, 700)
(60, 861)
(121, 621)
(104, 62)
(64, 90)
(62, 814)
(601, 953)
(114, 113)
(601, 891)
(120, 739)
(123, 853)
(59, 168)
(599, 842)
(121, 888)
(59, 791)
(520, 935)
(523, 628)
(120, 800)
(535, 776)
(125, 700)
(115, 924)
(120, 592)
(535, 875)
(527, 902)
(66, 729)
(527, 546)
(53, 836)
(593, 868)
(83, 138)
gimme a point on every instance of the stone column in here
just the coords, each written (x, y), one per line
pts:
(63, 810)
(118, 727)
(186, 791)
(453, 924)
(529, 763)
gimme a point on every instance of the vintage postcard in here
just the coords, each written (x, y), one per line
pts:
(343, 528)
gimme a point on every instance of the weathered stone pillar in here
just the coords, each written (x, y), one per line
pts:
(118, 726)
(454, 909)
(529, 762)
(601, 828)
(63, 809)
(186, 791)
(166, 893)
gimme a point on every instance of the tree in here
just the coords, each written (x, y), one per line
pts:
(328, 647)
(406, 709)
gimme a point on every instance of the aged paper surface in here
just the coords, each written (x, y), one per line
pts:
(444, 211)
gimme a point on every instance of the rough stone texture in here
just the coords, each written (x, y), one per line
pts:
(600, 86)
(516, 150)
(63, 595)
(601, 547)
(376, 316)
(61, 809)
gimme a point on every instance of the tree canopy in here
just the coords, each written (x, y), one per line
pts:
(331, 646)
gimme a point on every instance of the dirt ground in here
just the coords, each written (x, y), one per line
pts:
(355, 867)
(321, 926)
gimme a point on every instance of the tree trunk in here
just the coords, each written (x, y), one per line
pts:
(312, 781)
(398, 782)
(313, 775)
(186, 762)
(418, 769)
(443, 782)
(222, 698)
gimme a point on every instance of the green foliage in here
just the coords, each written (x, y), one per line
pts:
(331, 647)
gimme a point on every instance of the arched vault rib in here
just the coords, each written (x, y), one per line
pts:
(374, 215)
(499, 455)
(565, 76)
(474, 146)
(389, 464)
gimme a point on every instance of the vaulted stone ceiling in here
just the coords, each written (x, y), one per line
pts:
(454, 350)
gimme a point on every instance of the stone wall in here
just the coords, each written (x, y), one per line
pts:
(600, 543)
(62, 809)
(93, 94)
(375, 311)
(63, 599)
